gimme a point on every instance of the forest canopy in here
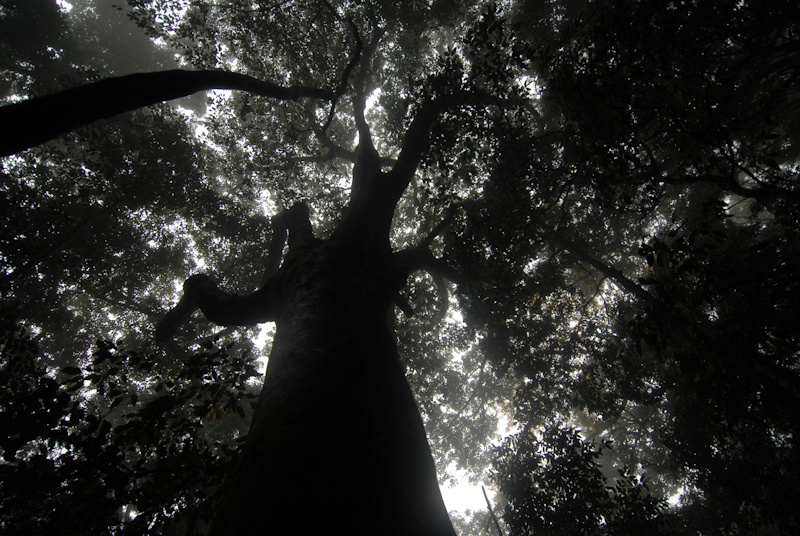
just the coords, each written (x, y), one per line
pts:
(600, 330)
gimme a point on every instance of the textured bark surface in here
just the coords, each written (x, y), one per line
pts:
(337, 443)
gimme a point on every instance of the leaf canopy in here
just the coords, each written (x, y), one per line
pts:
(621, 186)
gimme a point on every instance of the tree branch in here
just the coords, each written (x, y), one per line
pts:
(437, 230)
(415, 259)
(226, 309)
(340, 90)
(275, 248)
(444, 297)
(35, 121)
(298, 225)
(221, 308)
(416, 139)
(202, 293)
(618, 277)
(175, 317)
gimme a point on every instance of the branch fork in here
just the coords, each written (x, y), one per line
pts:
(200, 291)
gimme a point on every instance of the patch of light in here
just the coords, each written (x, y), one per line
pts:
(11, 99)
(532, 88)
(463, 496)
(454, 316)
(343, 182)
(675, 498)
(55, 52)
(506, 426)
(372, 100)
(65, 6)
(266, 332)
(266, 203)
(200, 130)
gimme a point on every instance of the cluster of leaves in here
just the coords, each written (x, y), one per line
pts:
(555, 484)
(120, 445)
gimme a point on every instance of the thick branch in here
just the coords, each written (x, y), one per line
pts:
(34, 121)
(437, 230)
(226, 309)
(414, 259)
(173, 320)
(221, 308)
(416, 138)
(491, 512)
(199, 290)
(298, 224)
(415, 142)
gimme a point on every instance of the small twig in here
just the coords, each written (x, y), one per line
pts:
(443, 295)
(491, 512)
(402, 303)
(337, 151)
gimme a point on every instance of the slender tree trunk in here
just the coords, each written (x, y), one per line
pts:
(337, 444)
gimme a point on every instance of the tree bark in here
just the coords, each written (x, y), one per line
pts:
(337, 444)
(34, 121)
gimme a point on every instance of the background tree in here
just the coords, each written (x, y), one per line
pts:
(619, 186)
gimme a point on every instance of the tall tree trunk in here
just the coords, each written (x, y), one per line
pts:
(337, 443)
